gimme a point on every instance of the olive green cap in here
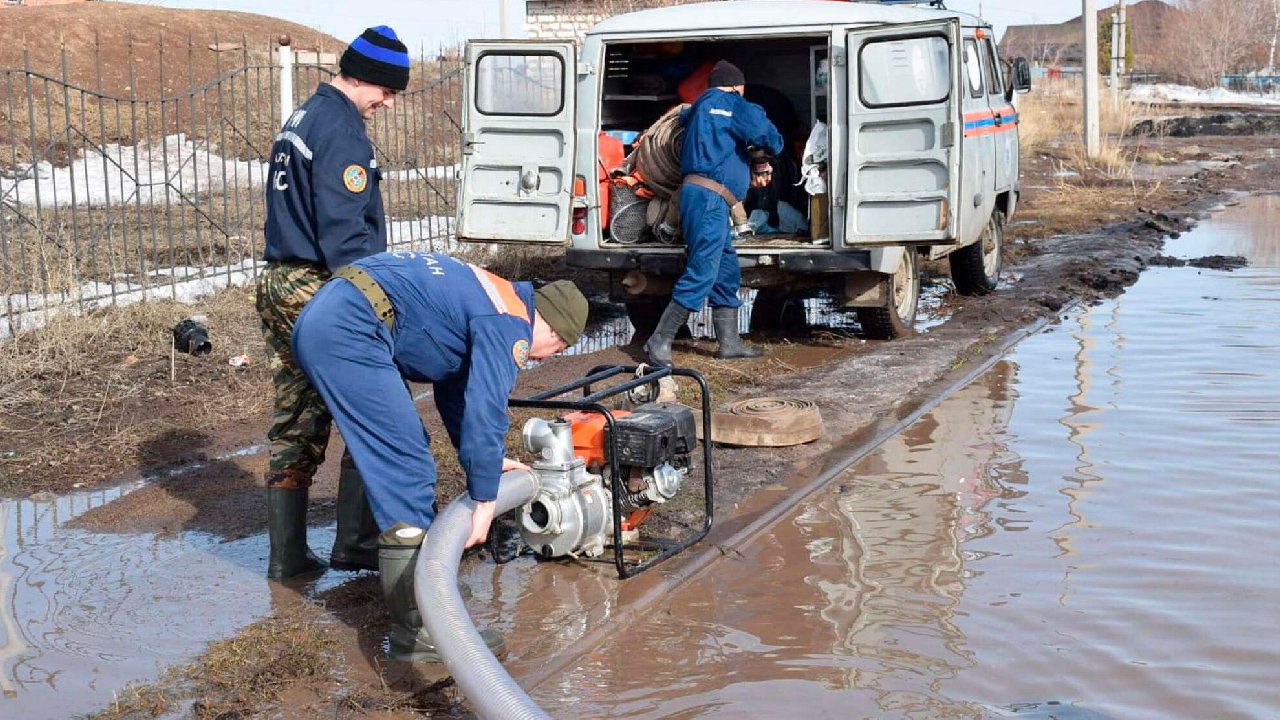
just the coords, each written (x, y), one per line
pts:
(564, 307)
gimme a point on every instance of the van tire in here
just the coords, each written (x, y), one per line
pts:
(975, 269)
(897, 316)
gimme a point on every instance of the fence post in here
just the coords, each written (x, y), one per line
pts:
(286, 79)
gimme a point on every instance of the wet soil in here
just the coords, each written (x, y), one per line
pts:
(1057, 256)
(1213, 124)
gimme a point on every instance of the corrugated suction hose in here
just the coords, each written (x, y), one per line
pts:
(485, 682)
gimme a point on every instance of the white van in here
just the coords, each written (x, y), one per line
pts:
(919, 123)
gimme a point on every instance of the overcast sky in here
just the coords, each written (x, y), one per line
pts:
(433, 23)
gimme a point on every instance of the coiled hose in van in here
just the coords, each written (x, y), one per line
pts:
(492, 692)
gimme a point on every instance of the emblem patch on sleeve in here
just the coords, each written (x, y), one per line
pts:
(355, 178)
(520, 352)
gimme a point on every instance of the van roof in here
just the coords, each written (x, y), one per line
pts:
(739, 14)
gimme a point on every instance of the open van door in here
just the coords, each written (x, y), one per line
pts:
(518, 112)
(904, 134)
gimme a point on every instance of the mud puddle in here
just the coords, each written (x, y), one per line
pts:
(1090, 523)
(83, 613)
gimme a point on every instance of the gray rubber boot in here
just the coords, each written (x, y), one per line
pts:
(659, 346)
(408, 641)
(725, 321)
(355, 546)
(287, 531)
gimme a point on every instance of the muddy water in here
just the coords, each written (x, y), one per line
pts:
(83, 614)
(1091, 523)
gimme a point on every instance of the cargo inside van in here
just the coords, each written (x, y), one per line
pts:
(787, 76)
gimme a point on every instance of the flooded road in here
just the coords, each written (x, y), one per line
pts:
(1092, 522)
(86, 613)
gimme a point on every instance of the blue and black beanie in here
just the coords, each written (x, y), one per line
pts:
(377, 57)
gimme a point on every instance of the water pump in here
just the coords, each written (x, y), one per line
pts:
(602, 471)
(572, 513)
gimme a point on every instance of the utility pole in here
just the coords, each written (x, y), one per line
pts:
(503, 26)
(1275, 32)
(1115, 61)
(1092, 131)
(1124, 40)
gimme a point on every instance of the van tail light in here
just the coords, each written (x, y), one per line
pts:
(579, 208)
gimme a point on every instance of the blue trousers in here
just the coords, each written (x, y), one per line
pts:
(711, 272)
(346, 352)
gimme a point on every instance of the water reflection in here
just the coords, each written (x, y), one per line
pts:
(855, 595)
(83, 614)
(1092, 522)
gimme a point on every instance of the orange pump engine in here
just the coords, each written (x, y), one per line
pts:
(647, 450)
(653, 445)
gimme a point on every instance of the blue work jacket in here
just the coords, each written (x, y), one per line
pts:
(718, 128)
(324, 205)
(468, 332)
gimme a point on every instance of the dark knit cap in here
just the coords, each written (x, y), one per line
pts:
(726, 74)
(564, 308)
(377, 57)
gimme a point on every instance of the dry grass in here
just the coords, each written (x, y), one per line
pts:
(81, 398)
(1070, 206)
(1051, 121)
(240, 676)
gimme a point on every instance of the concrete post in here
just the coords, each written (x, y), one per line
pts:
(1124, 40)
(1092, 130)
(1115, 61)
(286, 79)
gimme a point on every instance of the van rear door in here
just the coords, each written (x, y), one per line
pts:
(904, 133)
(516, 179)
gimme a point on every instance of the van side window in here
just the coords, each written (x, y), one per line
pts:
(994, 85)
(905, 71)
(973, 68)
(519, 84)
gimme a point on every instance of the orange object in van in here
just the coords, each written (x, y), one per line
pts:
(609, 155)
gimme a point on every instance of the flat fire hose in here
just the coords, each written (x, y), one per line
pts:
(766, 422)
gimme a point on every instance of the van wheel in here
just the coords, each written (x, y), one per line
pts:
(896, 318)
(975, 269)
(775, 310)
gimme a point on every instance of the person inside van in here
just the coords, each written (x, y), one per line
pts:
(721, 130)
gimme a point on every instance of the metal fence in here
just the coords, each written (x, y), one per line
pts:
(107, 199)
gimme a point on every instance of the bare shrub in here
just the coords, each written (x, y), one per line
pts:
(1050, 120)
(1211, 38)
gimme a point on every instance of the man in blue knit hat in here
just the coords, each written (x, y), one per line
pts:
(720, 129)
(324, 210)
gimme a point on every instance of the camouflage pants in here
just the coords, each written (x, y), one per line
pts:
(300, 427)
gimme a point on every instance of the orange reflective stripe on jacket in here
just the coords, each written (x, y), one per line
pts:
(501, 293)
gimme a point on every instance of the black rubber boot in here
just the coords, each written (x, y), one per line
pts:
(287, 531)
(659, 346)
(355, 547)
(408, 639)
(725, 321)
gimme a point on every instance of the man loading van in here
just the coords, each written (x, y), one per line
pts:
(721, 128)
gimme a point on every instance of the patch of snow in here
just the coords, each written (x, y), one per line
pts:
(159, 171)
(439, 172)
(1194, 96)
(31, 311)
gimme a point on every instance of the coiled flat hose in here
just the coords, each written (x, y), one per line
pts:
(492, 692)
